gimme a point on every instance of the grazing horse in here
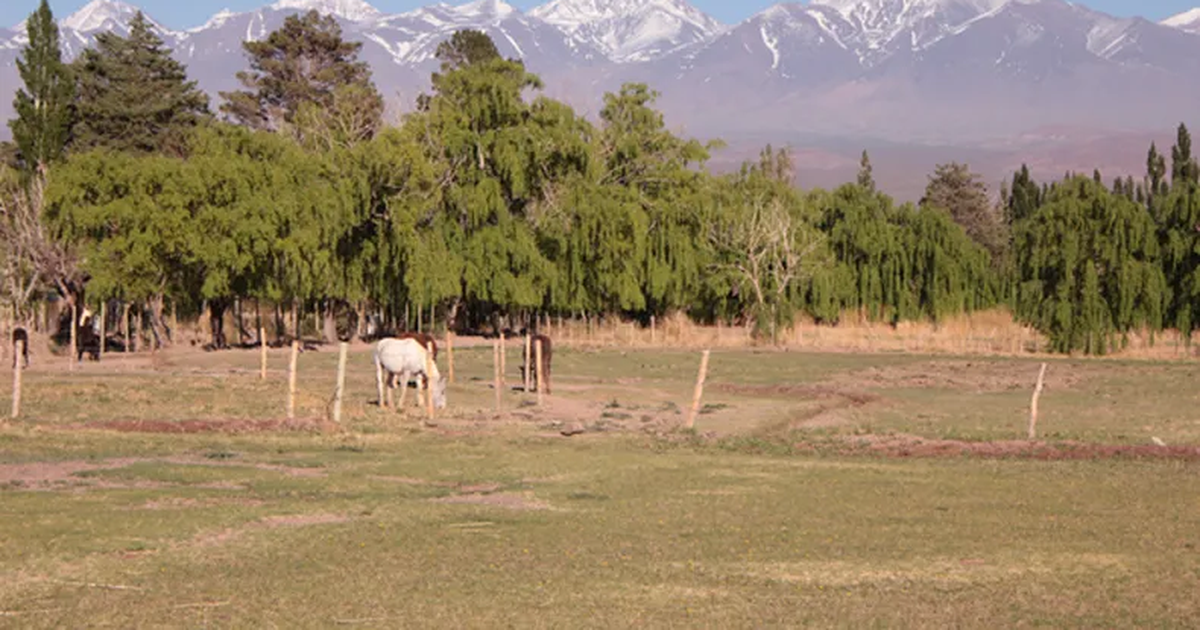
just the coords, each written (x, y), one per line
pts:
(422, 338)
(20, 334)
(406, 358)
(547, 353)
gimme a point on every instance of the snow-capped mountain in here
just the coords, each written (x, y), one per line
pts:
(353, 10)
(889, 68)
(100, 15)
(1187, 21)
(885, 27)
(631, 30)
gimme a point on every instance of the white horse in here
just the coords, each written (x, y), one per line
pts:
(406, 358)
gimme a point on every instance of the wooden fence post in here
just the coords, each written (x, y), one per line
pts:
(74, 335)
(103, 327)
(691, 420)
(503, 357)
(496, 371)
(429, 383)
(450, 353)
(1033, 404)
(528, 360)
(291, 399)
(17, 365)
(537, 346)
(262, 359)
(341, 382)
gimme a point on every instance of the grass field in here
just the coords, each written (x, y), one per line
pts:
(826, 490)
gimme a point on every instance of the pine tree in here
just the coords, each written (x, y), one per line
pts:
(865, 178)
(44, 107)
(133, 96)
(957, 190)
(304, 61)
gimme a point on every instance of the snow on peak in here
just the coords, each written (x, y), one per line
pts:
(1189, 20)
(852, 7)
(353, 10)
(630, 30)
(100, 15)
(485, 9)
(885, 26)
(216, 21)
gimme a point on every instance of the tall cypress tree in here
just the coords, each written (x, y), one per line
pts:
(44, 106)
(1183, 166)
(133, 96)
(865, 177)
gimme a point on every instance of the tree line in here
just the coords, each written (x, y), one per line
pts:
(491, 202)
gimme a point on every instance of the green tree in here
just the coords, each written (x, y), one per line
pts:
(1184, 170)
(1089, 268)
(133, 96)
(865, 179)
(132, 217)
(1024, 196)
(307, 62)
(44, 106)
(957, 190)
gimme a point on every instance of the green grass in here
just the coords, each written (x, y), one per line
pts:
(486, 522)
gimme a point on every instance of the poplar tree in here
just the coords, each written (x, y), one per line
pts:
(44, 106)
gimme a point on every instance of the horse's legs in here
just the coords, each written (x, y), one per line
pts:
(403, 389)
(379, 383)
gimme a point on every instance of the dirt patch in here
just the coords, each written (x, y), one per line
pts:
(510, 500)
(965, 375)
(43, 474)
(233, 427)
(807, 392)
(177, 503)
(901, 446)
(213, 538)
(293, 520)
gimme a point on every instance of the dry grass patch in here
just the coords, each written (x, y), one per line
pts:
(926, 572)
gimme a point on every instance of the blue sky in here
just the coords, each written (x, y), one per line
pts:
(179, 14)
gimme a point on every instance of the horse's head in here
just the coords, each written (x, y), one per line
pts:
(439, 392)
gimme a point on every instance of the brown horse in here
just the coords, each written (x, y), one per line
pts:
(547, 354)
(20, 334)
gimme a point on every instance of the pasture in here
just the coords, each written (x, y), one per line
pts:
(816, 489)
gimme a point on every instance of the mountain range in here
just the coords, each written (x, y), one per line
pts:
(990, 74)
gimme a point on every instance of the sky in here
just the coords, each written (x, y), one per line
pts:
(177, 14)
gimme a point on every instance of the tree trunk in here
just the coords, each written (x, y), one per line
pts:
(158, 325)
(125, 327)
(237, 317)
(136, 328)
(258, 326)
(360, 322)
(217, 310)
(452, 316)
(296, 320)
(330, 325)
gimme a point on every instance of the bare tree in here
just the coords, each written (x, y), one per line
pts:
(33, 258)
(768, 249)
